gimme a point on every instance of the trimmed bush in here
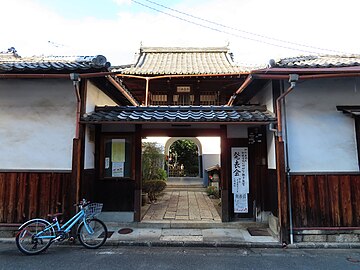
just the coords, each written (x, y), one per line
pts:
(212, 190)
(153, 187)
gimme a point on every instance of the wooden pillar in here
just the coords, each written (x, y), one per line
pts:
(78, 151)
(82, 133)
(225, 181)
(282, 192)
(137, 172)
(75, 174)
(357, 134)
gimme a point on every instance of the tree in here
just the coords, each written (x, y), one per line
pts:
(152, 162)
(186, 153)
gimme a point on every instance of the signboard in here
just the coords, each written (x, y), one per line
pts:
(117, 169)
(183, 89)
(241, 203)
(240, 178)
(117, 157)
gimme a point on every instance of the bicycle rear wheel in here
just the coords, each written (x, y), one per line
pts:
(35, 237)
(96, 236)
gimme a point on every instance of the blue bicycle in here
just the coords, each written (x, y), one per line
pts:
(36, 235)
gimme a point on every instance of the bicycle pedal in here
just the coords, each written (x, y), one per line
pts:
(71, 239)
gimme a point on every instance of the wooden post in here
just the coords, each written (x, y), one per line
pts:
(282, 192)
(357, 132)
(225, 207)
(138, 173)
(75, 174)
(82, 133)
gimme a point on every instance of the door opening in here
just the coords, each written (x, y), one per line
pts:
(184, 161)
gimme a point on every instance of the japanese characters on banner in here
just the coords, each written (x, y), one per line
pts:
(240, 178)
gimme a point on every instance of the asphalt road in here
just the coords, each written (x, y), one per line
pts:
(77, 257)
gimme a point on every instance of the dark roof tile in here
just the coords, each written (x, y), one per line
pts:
(318, 61)
(183, 61)
(13, 62)
(180, 114)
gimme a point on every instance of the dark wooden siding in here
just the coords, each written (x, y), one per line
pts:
(26, 195)
(87, 187)
(326, 200)
(270, 187)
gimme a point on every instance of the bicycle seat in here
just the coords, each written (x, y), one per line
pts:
(55, 215)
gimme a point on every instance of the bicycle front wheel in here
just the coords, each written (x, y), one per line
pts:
(93, 234)
(35, 237)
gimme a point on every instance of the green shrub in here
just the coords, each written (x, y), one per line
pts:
(153, 187)
(153, 162)
(212, 190)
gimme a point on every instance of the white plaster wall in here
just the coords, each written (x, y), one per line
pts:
(320, 138)
(95, 97)
(265, 97)
(210, 145)
(237, 131)
(210, 160)
(37, 124)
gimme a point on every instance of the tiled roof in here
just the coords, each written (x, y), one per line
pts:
(209, 114)
(317, 61)
(352, 110)
(13, 62)
(181, 61)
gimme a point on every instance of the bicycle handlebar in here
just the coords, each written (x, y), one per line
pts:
(82, 203)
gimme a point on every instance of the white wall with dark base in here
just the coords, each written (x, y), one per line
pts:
(320, 138)
(37, 124)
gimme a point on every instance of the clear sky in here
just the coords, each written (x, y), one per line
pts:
(256, 30)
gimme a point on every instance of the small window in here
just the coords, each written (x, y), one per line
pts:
(159, 99)
(209, 98)
(116, 158)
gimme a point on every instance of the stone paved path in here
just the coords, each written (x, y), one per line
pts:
(184, 206)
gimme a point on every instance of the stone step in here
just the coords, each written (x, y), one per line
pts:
(185, 188)
(178, 224)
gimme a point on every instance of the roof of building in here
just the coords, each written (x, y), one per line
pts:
(10, 61)
(208, 114)
(183, 61)
(317, 61)
(352, 110)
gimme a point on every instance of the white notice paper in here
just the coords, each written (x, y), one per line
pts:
(107, 163)
(117, 169)
(240, 170)
(241, 203)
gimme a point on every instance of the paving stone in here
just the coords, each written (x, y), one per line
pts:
(181, 217)
(183, 205)
(170, 215)
(181, 232)
(175, 238)
(182, 212)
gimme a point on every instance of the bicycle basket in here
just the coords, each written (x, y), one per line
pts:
(93, 209)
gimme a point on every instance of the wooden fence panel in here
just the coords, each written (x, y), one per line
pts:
(26, 195)
(45, 185)
(311, 202)
(2, 197)
(333, 186)
(322, 193)
(11, 194)
(325, 200)
(33, 195)
(345, 201)
(355, 195)
(21, 196)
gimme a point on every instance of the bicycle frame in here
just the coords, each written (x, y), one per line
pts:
(65, 227)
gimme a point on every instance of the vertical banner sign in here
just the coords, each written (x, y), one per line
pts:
(240, 178)
(117, 157)
(241, 203)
